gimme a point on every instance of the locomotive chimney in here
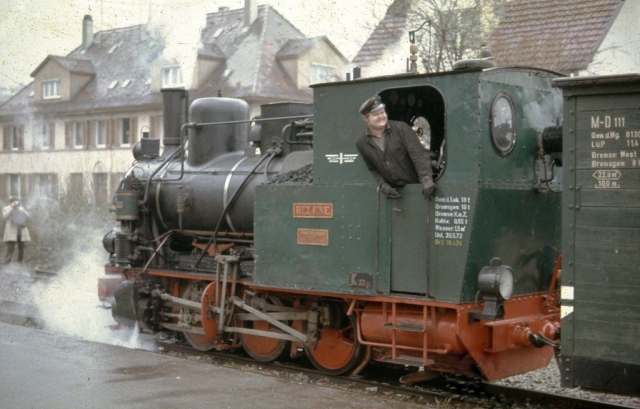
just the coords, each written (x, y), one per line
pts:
(87, 31)
(250, 12)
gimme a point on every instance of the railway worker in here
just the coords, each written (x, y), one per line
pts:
(15, 228)
(392, 152)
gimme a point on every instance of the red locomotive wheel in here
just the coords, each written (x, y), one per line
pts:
(195, 292)
(337, 351)
(263, 349)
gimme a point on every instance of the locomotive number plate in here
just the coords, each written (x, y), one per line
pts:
(360, 280)
(313, 237)
(313, 210)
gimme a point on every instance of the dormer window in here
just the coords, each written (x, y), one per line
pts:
(172, 77)
(51, 89)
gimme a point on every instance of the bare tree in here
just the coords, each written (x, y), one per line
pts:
(451, 30)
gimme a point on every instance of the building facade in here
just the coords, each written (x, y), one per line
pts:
(69, 133)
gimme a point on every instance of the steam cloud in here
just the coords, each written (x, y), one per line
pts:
(69, 304)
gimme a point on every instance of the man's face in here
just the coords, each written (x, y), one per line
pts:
(376, 120)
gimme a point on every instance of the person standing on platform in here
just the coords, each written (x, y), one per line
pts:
(15, 228)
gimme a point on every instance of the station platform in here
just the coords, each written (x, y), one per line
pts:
(40, 369)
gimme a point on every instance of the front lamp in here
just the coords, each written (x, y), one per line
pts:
(495, 285)
(496, 280)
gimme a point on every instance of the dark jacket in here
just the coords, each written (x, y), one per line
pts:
(404, 159)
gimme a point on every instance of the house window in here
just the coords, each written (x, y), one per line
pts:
(322, 73)
(15, 138)
(124, 131)
(78, 134)
(43, 186)
(100, 185)
(45, 136)
(100, 134)
(51, 89)
(14, 185)
(76, 186)
(172, 77)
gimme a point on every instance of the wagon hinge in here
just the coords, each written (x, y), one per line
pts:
(311, 317)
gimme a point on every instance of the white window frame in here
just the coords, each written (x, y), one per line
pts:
(121, 132)
(100, 132)
(316, 77)
(51, 89)
(77, 131)
(172, 77)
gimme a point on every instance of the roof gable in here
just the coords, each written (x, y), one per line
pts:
(297, 47)
(556, 35)
(73, 65)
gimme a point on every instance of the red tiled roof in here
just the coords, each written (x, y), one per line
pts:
(556, 35)
(387, 33)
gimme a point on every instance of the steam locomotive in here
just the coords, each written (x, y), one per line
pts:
(269, 234)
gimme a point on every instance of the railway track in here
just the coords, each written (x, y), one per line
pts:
(12, 309)
(19, 313)
(446, 391)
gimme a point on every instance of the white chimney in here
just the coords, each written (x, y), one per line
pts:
(250, 12)
(87, 31)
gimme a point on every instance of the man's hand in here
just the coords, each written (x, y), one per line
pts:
(428, 188)
(389, 191)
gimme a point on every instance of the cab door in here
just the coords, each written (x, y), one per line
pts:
(408, 244)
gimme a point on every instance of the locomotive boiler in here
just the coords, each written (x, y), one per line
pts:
(219, 240)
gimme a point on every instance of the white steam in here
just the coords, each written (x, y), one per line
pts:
(68, 304)
(180, 32)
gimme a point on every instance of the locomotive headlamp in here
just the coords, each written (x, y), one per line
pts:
(496, 280)
(495, 285)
